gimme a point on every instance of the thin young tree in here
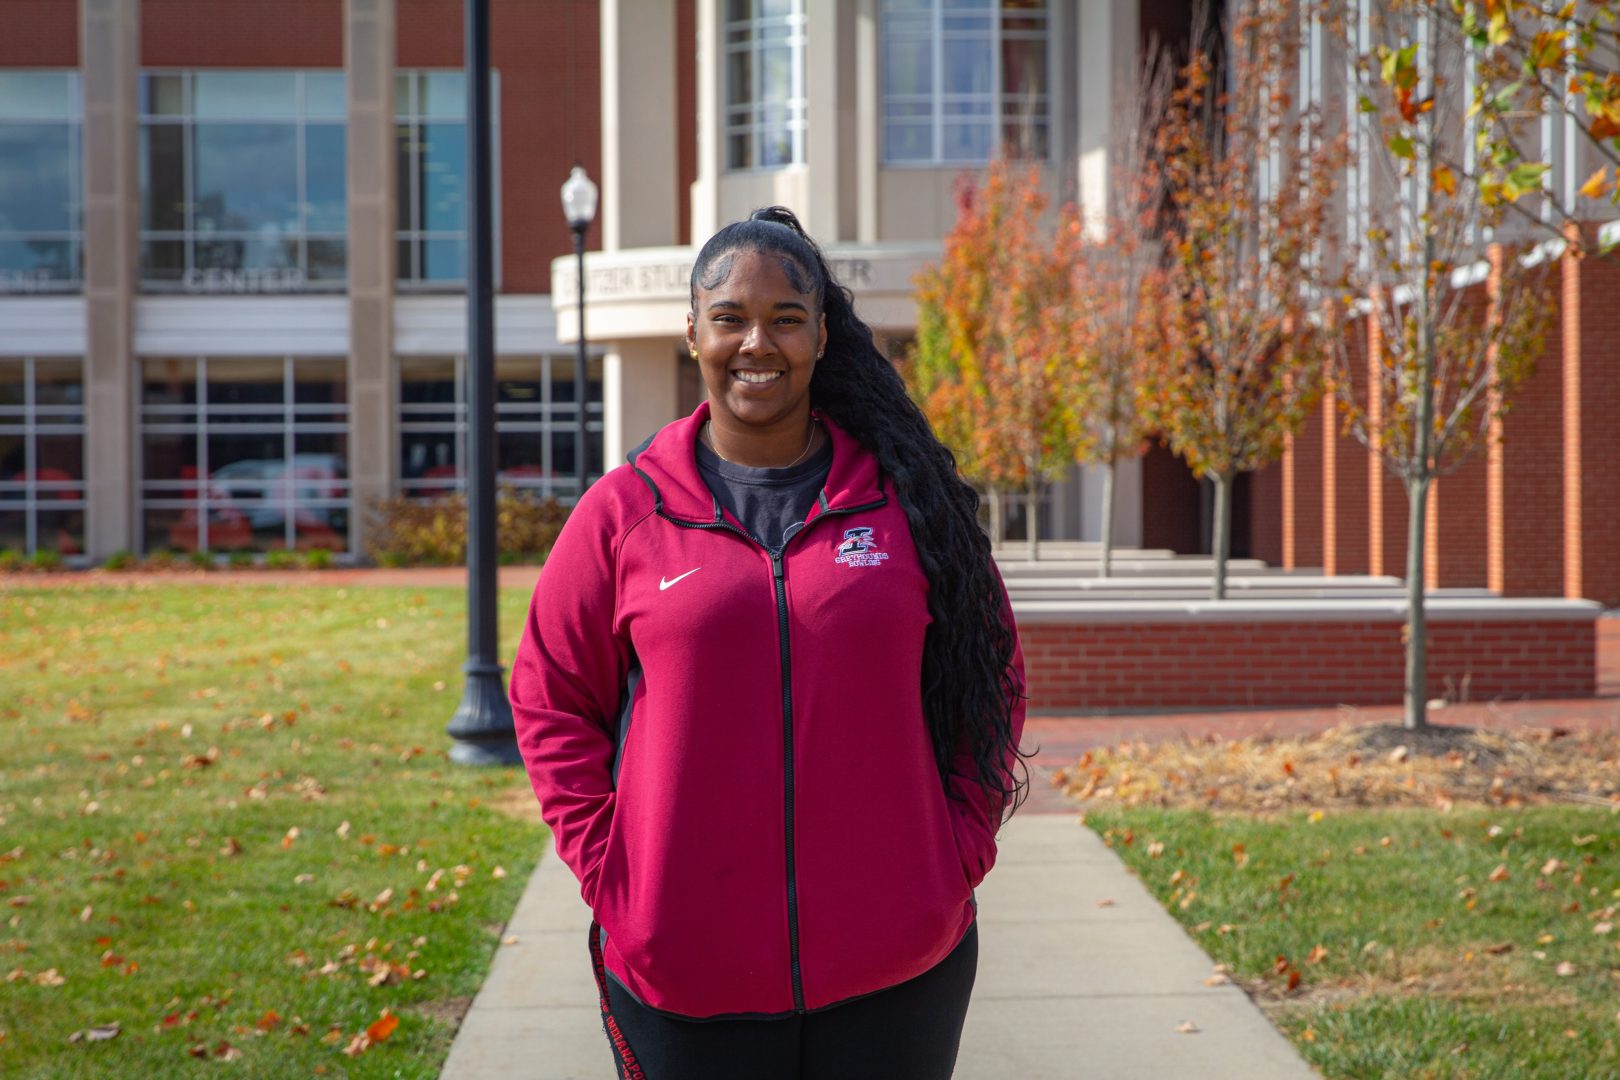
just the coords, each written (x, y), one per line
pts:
(1446, 365)
(1118, 281)
(1249, 172)
(990, 365)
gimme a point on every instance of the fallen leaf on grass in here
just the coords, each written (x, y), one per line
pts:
(1498, 950)
(1603, 928)
(383, 1026)
(1187, 1027)
(50, 977)
(1566, 969)
(1218, 979)
(1500, 873)
(99, 1033)
(1551, 867)
(1316, 955)
(269, 1021)
(231, 848)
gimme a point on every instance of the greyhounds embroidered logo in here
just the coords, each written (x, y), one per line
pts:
(859, 549)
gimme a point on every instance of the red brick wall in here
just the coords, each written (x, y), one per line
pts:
(1454, 549)
(241, 33)
(686, 110)
(39, 34)
(1265, 514)
(1591, 331)
(1524, 510)
(1171, 502)
(1299, 664)
(1302, 533)
(1345, 544)
(549, 61)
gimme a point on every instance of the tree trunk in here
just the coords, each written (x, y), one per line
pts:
(1221, 540)
(1107, 567)
(1032, 517)
(995, 517)
(1417, 630)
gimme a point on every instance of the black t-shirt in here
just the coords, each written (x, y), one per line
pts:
(770, 503)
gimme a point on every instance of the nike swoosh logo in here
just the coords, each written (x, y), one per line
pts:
(662, 584)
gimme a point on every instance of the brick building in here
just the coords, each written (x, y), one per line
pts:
(231, 236)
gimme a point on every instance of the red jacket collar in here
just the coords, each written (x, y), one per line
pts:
(668, 464)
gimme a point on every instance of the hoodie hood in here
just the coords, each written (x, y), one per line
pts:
(667, 463)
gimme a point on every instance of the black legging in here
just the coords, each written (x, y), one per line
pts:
(911, 1030)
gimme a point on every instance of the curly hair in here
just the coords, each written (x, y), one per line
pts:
(969, 689)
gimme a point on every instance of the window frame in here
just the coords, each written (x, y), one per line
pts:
(296, 418)
(755, 128)
(25, 420)
(543, 418)
(189, 236)
(407, 189)
(36, 285)
(938, 100)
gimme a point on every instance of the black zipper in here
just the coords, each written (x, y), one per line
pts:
(779, 580)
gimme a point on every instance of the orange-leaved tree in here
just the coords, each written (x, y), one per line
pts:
(1456, 320)
(991, 367)
(1250, 172)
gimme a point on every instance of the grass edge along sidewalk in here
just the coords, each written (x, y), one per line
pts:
(231, 832)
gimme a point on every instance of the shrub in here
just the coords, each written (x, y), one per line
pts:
(119, 560)
(10, 559)
(281, 559)
(202, 560)
(239, 560)
(161, 559)
(433, 532)
(45, 559)
(317, 559)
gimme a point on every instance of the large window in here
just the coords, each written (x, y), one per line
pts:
(244, 454)
(41, 151)
(964, 80)
(764, 83)
(42, 455)
(431, 108)
(243, 181)
(536, 417)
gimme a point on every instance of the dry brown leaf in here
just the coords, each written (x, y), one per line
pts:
(1500, 873)
(1187, 1027)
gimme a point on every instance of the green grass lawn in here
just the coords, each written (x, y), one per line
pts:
(229, 827)
(1418, 944)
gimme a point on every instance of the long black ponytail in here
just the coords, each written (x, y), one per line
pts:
(969, 690)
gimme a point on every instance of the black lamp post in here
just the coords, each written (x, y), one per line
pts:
(482, 725)
(579, 207)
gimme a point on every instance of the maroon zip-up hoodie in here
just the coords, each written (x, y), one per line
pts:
(729, 745)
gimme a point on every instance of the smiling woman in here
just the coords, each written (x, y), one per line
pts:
(769, 696)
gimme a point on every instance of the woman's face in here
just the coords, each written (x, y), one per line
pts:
(757, 339)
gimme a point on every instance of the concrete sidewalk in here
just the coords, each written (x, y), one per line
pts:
(1065, 988)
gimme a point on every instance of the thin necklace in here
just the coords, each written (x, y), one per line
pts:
(709, 437)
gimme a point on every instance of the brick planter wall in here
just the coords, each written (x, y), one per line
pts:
(1266, 662)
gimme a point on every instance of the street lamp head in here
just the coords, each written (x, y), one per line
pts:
(579, 199)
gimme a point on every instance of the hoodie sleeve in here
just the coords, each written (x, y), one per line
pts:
(566, 683)
(976, 816)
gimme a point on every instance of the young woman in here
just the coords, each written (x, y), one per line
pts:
(769, 696)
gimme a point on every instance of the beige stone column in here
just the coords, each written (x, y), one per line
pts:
(368, 59)
(705, 193)
(828, 107)
(638, 125)
(639, 382)
(1107, 49)
(868, 140)
(109, 62)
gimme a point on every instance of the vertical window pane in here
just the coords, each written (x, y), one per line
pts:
(325, 178)
(36, 178)
(444, 260)
(764, 60)
(320, 382)
(444, 95)
(908, 66)
(58, 382)
(13, 530)
(327, 260)
(245, 382)
(61, 531)
(247, 177)
(163, 177)
(37, 261)
(12, 391)
(169, 382)
(163, 95)
(443, 179)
